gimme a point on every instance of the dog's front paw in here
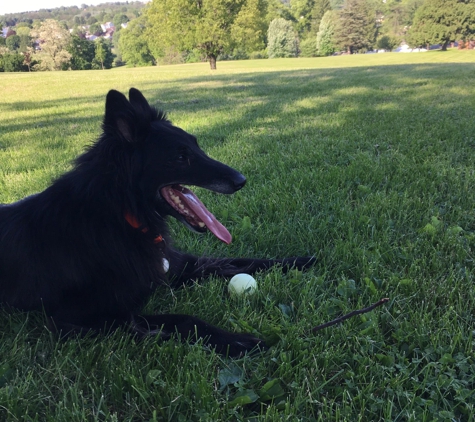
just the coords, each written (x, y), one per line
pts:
(299, 262)
(236, 345)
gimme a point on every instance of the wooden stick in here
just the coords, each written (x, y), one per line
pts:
(351, 314)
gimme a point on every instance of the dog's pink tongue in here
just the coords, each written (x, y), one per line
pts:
(206, 217)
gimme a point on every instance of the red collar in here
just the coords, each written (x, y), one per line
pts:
(136, 225)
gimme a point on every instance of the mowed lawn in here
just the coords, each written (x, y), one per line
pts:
(366, 162)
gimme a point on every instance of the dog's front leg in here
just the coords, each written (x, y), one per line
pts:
(192, 329)
(185, 267)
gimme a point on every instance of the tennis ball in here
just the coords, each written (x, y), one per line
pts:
(242, 284)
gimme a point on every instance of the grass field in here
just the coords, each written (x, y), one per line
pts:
(367, 162)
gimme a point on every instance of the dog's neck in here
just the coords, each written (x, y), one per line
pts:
(132, 220)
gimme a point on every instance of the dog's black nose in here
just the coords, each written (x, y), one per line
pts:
(239, 182)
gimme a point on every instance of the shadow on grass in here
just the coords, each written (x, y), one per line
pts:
(350, 91)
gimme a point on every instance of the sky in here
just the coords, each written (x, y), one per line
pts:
(16, 6)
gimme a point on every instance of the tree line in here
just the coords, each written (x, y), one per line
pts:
(176, 31)
(58, 39)
(71, 16)
(55, 48)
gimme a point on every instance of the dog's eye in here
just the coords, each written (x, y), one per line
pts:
(182, 157)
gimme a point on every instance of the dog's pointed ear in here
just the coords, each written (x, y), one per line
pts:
(139, 103)
(120, 116)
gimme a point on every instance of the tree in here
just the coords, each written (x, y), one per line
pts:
(279, 9)
(319, 9)
(13, 42)
(54, 41)
(22, 30)
(387, 42)
(25, 42)
(10, 61)
(325, 43)
(134, 46)
(442, 21)
(337, 4)
(28, 58)
(204, 25)
(356, 27)
(282, 39)
(118, 61)
(103, 57)
(302, 14)
(95, 29)
(398, 16)
(308, 47)
(79, 20)
(248, 30)
(119, 19)
(20, 25)
(82, 53)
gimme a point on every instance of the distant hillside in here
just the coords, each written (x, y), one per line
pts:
(73, 16)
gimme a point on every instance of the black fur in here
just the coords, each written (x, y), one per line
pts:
(71, 251)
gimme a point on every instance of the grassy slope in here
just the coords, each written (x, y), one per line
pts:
(365, 161)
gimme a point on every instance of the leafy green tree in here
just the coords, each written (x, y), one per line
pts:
(10, 61)
(20, 25)
(398, 16)
(204, 25)
(442, 21)
(103, 57)
(13, 62)
(79, 20)
(337, 4)
(23, 29)
(325, 41)
(387, 42)
(55, 41)
(3, 50)
(356, 27)
(308, 47)
(279, 9)
(115, 47)
(119, 19)
(25, 42)
(95, 29)
(282, 39)
(302, 14)
(13, 42)
(248, 30)
(134, 46)
(319, 9)
(29, 58)
(82, 53)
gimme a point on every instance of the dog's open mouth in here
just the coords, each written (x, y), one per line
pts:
(187, 204)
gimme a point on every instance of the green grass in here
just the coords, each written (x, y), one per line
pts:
(368, 162)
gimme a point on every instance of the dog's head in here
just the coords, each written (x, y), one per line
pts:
(164, 158)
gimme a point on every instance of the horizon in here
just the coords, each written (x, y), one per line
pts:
(23, 6)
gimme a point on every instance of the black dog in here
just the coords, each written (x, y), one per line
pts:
(90, 249)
